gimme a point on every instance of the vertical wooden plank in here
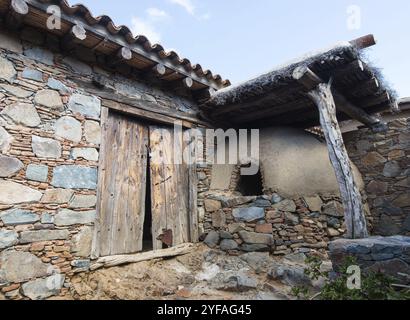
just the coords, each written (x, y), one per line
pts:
(95, 250)
(121, 183)
(179, 184)
(158, 179)
(110, 190)
(170, 188)
(193, 190)
(107, 188)
(138, 179)
(122, 201)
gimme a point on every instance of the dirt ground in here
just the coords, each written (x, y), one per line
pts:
(203, 274)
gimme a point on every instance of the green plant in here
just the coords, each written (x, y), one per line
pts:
(374, 286)
(300, 292)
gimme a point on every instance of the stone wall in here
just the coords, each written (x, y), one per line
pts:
(286, 217)
(384, 161)
(49, 151)
(388, 255)
(235, 223)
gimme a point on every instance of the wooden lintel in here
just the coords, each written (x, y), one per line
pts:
(131, 105)
(15, 16)
(355, 219)
(310, 81)
(145, 114)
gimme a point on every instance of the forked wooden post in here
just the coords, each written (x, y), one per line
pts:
(351, 197)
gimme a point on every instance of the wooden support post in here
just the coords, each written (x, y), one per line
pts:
(349, 190)
(18, 10)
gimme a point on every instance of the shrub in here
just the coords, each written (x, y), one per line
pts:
(374, 285)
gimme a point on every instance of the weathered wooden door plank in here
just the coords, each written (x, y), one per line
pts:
(170, 188)
(95, 250)
(193, 187)
(122, 208)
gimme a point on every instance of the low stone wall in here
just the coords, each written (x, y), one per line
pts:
(390, 255)
(384, 162)
(235, 223)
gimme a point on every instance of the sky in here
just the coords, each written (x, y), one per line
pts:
(240, 39)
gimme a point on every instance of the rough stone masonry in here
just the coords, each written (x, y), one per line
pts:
(50, 136)
(384, 161)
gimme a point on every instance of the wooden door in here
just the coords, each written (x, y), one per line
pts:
(123, 188)
(170, 194)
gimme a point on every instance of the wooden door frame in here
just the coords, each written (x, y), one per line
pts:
(193, 177)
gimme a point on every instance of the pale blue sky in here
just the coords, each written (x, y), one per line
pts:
(240, 38)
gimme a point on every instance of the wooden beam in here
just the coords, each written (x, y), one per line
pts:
(100, 44)
(188, 83)
(347, 70)
(15, 16)
(360, 90)
(310, 81)
(218, 112)
(203, 95)
(121, 41)
(394, 107)
(159, 70)
(144, 114)
(382, 97)
(112, 261)
(364, 42)
(270, 112)
(133, 103)
(123, 55)
(352, 200)
(180, 84)
(75, 36)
